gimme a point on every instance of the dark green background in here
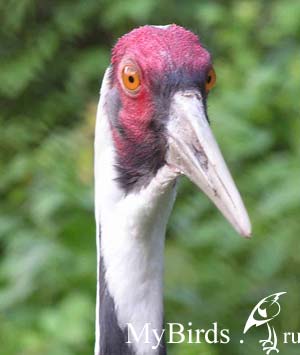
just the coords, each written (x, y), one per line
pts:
(53, 55)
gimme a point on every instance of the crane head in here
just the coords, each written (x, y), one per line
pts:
(158, 85)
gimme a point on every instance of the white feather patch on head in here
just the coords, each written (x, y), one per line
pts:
(162, 27)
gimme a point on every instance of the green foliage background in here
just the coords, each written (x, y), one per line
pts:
(53, 55)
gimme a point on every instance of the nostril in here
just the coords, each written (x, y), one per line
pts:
(190, 93)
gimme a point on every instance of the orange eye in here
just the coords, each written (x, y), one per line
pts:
(131, 77)
(210, 80)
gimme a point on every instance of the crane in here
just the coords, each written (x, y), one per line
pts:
(151, 128)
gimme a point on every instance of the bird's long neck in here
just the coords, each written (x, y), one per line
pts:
(130, 243)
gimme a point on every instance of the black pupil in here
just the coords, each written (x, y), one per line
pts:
(208, 79)
(131, 79)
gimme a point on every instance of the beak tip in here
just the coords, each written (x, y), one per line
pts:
(246, 230)
(246, 234)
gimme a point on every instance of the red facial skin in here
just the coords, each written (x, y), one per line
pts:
(153, 50)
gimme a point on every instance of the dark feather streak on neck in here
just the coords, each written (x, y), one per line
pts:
(112, 337)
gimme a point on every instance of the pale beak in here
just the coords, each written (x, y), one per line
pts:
(194, 151)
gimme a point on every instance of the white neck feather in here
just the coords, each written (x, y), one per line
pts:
(132, 237)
